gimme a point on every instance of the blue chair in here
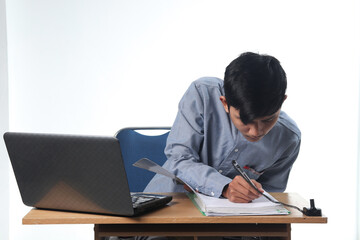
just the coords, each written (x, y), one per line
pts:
(134, 146)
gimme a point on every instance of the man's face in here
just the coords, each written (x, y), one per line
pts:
(255, 130)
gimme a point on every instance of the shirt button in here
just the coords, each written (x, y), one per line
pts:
(212, 194)
(236, 150)
(220, 171)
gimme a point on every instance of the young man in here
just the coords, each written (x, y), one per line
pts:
(239, 119)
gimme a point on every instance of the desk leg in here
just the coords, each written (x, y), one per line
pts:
(96, 232)
(288, 230)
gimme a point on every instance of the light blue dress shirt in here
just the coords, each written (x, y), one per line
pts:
(203, 141)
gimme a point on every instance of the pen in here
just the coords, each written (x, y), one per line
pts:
(243, 174)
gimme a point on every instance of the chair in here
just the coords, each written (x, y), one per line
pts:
(135, 145)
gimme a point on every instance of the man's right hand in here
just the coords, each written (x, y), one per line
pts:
(239, 191)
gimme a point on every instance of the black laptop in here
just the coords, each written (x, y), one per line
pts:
(75, 173)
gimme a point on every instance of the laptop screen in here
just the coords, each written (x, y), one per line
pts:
(69, 172)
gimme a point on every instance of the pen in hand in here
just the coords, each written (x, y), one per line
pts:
(248, 180)
(243, 175)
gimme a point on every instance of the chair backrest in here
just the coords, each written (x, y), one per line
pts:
(135, 145)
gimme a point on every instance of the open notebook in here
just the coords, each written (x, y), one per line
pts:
(212, 206)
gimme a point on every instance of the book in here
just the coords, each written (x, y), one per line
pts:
(213, 206)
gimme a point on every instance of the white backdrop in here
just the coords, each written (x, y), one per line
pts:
(4, 125)
(93, 67)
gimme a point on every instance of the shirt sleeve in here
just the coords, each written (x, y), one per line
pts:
(185, 142)
(276, 177)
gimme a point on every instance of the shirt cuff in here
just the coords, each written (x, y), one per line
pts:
(216, 188)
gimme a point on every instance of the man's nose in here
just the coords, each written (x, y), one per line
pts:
(256, 129)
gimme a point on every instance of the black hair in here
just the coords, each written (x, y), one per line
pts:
(255, 85)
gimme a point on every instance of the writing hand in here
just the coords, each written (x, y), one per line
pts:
(238, 190)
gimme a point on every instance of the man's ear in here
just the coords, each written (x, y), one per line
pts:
(285, 97)
(224, 103)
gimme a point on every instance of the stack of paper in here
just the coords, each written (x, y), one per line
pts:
(211, 206)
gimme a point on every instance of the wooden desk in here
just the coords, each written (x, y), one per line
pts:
(182, 218)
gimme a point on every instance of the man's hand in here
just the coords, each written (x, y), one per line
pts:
(238, 190)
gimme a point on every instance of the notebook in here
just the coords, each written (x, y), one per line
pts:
(75, 173)
(211, 206)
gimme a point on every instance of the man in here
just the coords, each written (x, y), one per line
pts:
(239, 119)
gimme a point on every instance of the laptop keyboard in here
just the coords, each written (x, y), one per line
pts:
(138, 200)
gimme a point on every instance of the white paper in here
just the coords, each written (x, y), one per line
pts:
(212, 206)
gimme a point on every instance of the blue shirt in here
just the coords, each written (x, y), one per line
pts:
(203, 142)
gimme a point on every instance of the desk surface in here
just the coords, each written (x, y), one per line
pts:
(180, 211)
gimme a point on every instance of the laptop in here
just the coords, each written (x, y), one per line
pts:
(75, 173)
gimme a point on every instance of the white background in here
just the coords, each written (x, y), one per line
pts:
(93, 67)
(4, 125)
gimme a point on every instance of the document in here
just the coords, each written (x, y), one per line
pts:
(212, 206)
